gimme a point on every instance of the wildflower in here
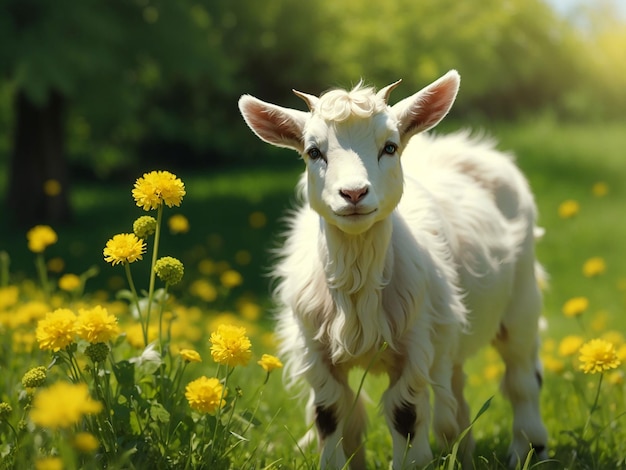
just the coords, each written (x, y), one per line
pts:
(5, 410)
(230, 346)
(149, 356)
(56, 330)
(231, 278)
(594, 267)
(178, 223)
(69, 282)
(616, 377)
(124, 248)
(170, 270)
(570, 345)
(97, 352)
(257, 219)
(63, 405)
(269, 362)
(52, 187)
(189, 355)
(598, 355)
(86, 442)
(35, 377)
(40, 237)
(553, 364)
(600, 189)
(568, 209)
(575, 306)
(144, 226)
(49, 463)
(9, 296)
(158, 187)
(205, 394)
(96, 325)
(203, 289)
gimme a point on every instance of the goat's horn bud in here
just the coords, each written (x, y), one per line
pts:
(385, 92)
(310, 100)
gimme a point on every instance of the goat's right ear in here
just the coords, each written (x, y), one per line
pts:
(273, 124)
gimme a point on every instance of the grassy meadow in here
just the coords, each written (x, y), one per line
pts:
(577, 173)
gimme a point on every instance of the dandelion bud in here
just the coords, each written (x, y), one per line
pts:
(144, 226)
(5, 410)
(35, 377)
(97, 352)
(170, 270)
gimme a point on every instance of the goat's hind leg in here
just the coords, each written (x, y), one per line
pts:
(518, 344)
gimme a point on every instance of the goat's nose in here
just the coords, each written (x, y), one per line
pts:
(353, 195)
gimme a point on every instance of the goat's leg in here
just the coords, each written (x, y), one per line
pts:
(445, 423)
(407, 412)
(466, 448)
(332, 405)
(518, 343)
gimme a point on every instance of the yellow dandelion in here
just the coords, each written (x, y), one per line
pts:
(203, 289)
(52, 187)
(230, 346)
(600, 189)
(86, 442)
(56, 330)
(621, 353)
(190, 355)
(178, 223)
(570, 345)
(40, 237)
(62, 405)
(124, 248)
(96, 325)
(49, 463)
(598, 355)
(575, 306)
(69, 282)
(269, 362)
(594, 267)
(156, 188)
(9, 296)
(205, 394)
(231, 278)
(616, 377)
(568, 209)
(553, 364)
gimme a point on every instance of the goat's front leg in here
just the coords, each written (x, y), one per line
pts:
(339, 418)
(407, 411)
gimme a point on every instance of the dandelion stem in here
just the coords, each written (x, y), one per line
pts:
(155, 252)
(40, 262)
(131, 284)
(594, 406)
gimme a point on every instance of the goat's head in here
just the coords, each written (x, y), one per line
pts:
(351, 142)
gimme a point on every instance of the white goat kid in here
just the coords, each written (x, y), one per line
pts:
(407, 267)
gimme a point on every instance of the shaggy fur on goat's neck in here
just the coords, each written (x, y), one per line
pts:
(357, 269)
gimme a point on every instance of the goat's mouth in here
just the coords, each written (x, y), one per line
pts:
(355, 213)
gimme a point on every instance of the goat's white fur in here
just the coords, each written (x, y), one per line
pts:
(431, 255)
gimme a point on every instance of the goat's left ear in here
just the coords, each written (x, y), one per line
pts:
(276, 125)
(424, 109)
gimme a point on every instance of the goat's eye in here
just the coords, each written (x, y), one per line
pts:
(314, 153)
(390, 149)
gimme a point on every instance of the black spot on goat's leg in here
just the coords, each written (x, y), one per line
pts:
(325, 421)
(539, 378)
(405, 420)
(538, 448)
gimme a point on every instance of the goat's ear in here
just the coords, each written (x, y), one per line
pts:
(427, 107)
(279, 126)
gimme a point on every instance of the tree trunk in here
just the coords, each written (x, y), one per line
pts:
(39, 176)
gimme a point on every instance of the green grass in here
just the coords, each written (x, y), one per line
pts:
(561, 161)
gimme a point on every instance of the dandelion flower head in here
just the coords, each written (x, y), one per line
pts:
(124, 248)
(158, 187)
(568, 209)
(230, 346)
(40, 237)
(594, 267)
(205, 394)
(49, 463)
(269, 362)
(86, 442)
(56, 330)
(62, 405)
(575, 306)
(96, 325)
(570, 345)
(178, 223)
(190, 355)
(598, 355)
(69, 282)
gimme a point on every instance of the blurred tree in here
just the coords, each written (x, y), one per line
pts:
(65, 52)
